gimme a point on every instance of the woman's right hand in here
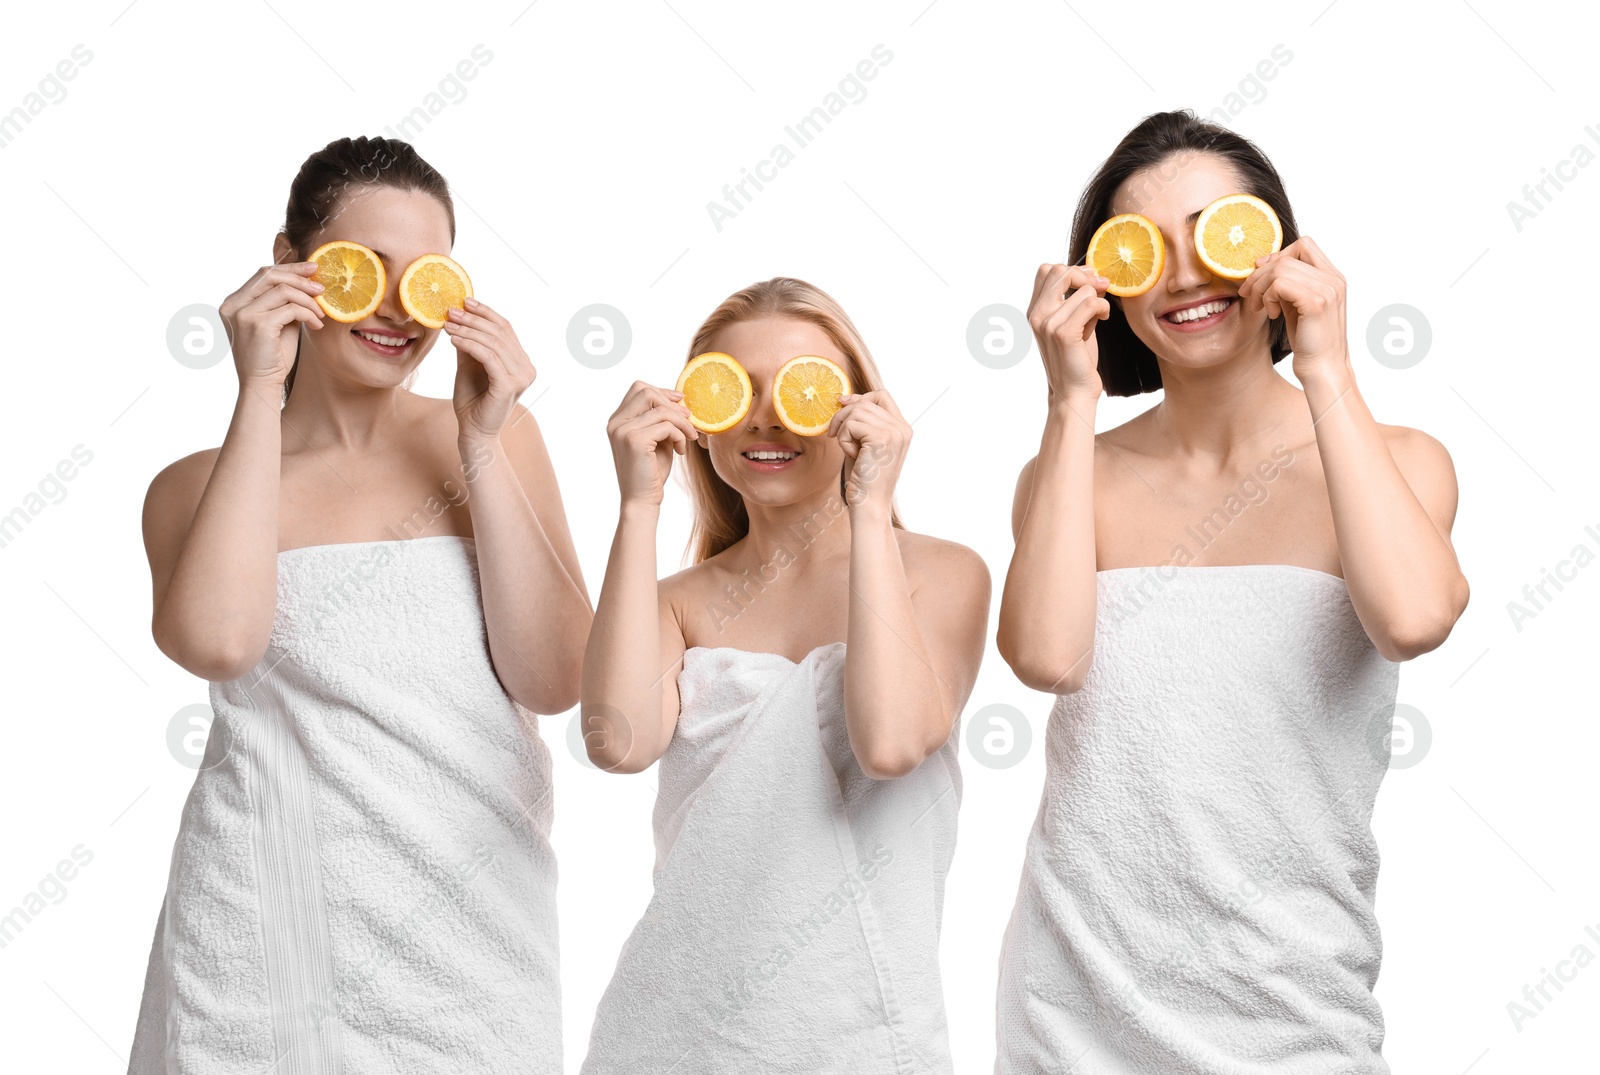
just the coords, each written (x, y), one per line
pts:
(263, 320)
(649, 425)
(1068, 302)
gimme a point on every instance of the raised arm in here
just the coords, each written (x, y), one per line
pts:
(915, 637)
(1393, 496)
(534, 603)
(211, 519)
(1047, 609)
(630, 665)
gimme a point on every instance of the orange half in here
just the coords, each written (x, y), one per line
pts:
(1233, 231)
(716, 389)
(352, 278)
(806, 392)
(431, 287)
(1128, 251)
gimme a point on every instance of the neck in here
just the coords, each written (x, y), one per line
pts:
(1218, 409)
(812, 531)
(324, 412)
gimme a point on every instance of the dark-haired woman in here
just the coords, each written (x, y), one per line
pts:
(801, 696)
(371, 580)
(1217, 591)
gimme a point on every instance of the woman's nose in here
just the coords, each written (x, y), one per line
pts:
(390, 308)
(1185, 271)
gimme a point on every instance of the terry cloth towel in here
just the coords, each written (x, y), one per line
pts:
(362, 879)
(1197, 891)
(795, 921)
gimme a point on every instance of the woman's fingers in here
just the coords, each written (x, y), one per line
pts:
(296, 275)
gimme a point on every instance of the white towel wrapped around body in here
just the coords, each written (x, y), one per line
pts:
(1197, 893)
(362, 879)
(795, 921)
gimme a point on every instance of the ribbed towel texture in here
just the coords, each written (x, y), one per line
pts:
(795, 921)
(1197, 892)
(362, 879)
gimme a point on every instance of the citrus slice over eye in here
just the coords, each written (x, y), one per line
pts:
(716, 389)
(1128, 251)
(352, 278)
(431, 287)
(1233, 231)
(806, 392)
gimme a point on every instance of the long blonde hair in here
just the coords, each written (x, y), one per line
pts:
(720, 516)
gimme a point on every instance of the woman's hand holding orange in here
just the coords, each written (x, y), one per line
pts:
(492, 370)
(263, 320)
(1068, 302)
(1300, 284)
(874, 436)
(645, 430)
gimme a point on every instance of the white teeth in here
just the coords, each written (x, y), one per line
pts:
(770, 456)
(1195, 313)
(387, 341)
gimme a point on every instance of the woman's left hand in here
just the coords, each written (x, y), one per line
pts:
(874, 437)
(492, 370)
(1300, 284)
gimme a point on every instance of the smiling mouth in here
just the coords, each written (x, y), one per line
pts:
(1205, 312)
(770, 459)
(382, 343)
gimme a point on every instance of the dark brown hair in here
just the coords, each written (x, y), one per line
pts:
(1127, 366)
(720, 515)
(317, 195)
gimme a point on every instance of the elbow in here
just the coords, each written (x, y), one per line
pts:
(884, 763)
(546, 698)
(1041, 670)
(608, 741)
(1424, 630)
(218, 659)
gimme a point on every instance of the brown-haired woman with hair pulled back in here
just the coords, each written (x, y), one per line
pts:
(372, 581)
(1218, 591)
(799, 685)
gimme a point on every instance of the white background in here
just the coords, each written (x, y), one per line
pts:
(583, 156)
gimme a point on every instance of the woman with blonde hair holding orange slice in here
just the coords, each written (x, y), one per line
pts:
(800, 685)
(371, 580)
(1218, 591)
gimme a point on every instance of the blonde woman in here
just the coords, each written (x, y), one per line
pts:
(800, 685)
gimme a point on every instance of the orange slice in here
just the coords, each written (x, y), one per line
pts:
(1233, 231)
(716, 389)
(433, 285)
(353, 278)
(806, 392)
(1128, 251)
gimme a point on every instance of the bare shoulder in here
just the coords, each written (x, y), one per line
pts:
(180, 484)
(1427, 467)
(930, 559)
(170, 502)
(1407, 444)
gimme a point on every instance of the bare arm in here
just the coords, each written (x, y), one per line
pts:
(1047, 609)
(630, 689)
(913, 651)
(534, 602)
(211, 521)
(1392, 525)
(1392, 514)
